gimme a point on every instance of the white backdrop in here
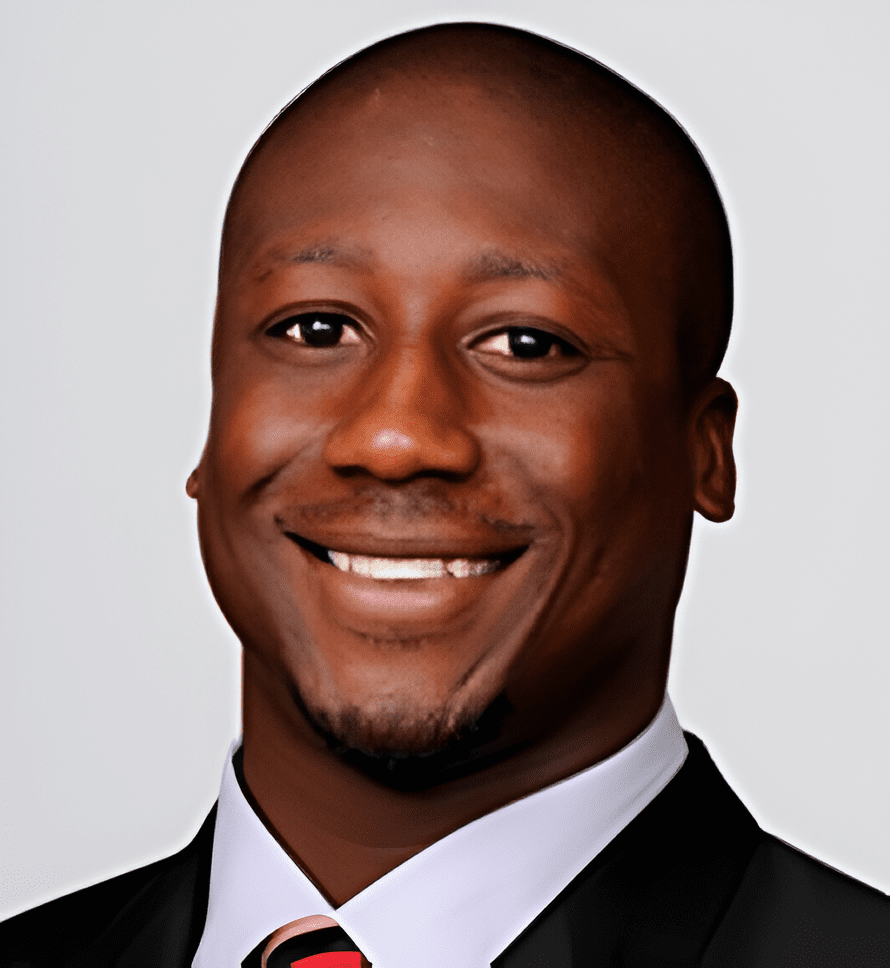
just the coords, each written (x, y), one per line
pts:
(123, 127)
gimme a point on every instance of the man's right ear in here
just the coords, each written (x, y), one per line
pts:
(193, 484)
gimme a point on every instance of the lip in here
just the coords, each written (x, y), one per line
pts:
(407, 545)
(424, 606)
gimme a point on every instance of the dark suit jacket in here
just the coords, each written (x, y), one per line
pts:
(691, 881)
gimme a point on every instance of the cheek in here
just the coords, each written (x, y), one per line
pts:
(585, 453)
(604, 464)
(256, 431)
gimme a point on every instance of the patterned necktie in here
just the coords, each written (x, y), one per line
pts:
(314, 942)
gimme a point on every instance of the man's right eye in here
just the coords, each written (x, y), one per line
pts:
(318, 330)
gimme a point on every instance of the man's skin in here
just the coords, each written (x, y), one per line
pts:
(448, 328)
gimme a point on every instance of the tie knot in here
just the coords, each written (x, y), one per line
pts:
(313, 942)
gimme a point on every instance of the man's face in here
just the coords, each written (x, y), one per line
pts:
(447, 460)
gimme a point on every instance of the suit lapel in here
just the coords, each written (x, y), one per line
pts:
(651, 899)
(655, 895)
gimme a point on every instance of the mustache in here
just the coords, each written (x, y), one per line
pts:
(408, 505)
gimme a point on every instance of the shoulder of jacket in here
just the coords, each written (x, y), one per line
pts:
(791, 909)
(56, 933)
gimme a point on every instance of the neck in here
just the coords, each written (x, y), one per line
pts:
(346, 829)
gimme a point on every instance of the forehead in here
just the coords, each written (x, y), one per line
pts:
(408, 142)
(395, 171)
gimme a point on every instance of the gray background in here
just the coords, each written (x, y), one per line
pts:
(123, 127)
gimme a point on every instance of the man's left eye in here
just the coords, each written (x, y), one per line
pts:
(318, 330)
(524, 342)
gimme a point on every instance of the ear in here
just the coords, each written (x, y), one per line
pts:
(192, 485)
(711, 425)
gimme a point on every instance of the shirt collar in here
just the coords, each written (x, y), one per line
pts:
(462, 900)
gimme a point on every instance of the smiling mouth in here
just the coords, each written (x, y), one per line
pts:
(404, 568)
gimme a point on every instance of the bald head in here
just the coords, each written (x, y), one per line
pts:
(652, 189)
(472, 288)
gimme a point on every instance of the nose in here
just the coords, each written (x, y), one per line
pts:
(407, 419)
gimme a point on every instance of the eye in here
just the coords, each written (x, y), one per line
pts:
(317, 330)
(526, 343)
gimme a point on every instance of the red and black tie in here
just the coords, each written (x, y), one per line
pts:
(314, 942)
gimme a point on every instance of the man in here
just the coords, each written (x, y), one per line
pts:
(474, 293)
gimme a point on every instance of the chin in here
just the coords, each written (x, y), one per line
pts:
(404, 746)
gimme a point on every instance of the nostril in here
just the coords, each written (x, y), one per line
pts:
(398, 450)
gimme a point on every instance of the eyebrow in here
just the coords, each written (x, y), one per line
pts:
(489, 265)
(497, 265)
(326, 253)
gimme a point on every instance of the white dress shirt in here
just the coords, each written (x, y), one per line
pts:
(462, 900)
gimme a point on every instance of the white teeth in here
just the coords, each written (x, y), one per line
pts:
(390, 569)
(340, 559)
(465, 568)
(395, 569)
